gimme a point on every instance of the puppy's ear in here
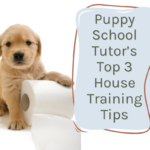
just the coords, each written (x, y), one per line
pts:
(39, 45)
(0, 51)
(0, 47)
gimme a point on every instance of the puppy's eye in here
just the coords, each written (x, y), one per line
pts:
(28, 43)
(8, 44)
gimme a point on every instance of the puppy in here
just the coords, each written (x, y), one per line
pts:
(20, 48)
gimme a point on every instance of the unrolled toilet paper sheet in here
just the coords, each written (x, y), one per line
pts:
(52, 132)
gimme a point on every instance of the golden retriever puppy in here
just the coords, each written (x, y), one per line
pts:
(20, 49)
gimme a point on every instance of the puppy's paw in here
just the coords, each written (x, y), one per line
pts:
(16, 125)
(65, 80)
(1, 112)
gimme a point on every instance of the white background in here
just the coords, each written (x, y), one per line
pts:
(54, 21)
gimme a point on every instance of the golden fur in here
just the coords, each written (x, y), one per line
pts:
(12, 74)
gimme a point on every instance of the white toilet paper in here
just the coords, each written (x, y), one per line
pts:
(45, 97)
(52, 132)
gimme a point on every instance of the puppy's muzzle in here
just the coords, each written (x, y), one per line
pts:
(18, 56)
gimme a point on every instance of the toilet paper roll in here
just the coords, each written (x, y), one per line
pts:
(45, 97)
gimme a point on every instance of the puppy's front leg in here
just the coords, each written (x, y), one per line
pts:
(11, 96)
(3, 107)
(58, 77)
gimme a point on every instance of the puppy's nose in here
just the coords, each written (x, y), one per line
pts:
(18, 56)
